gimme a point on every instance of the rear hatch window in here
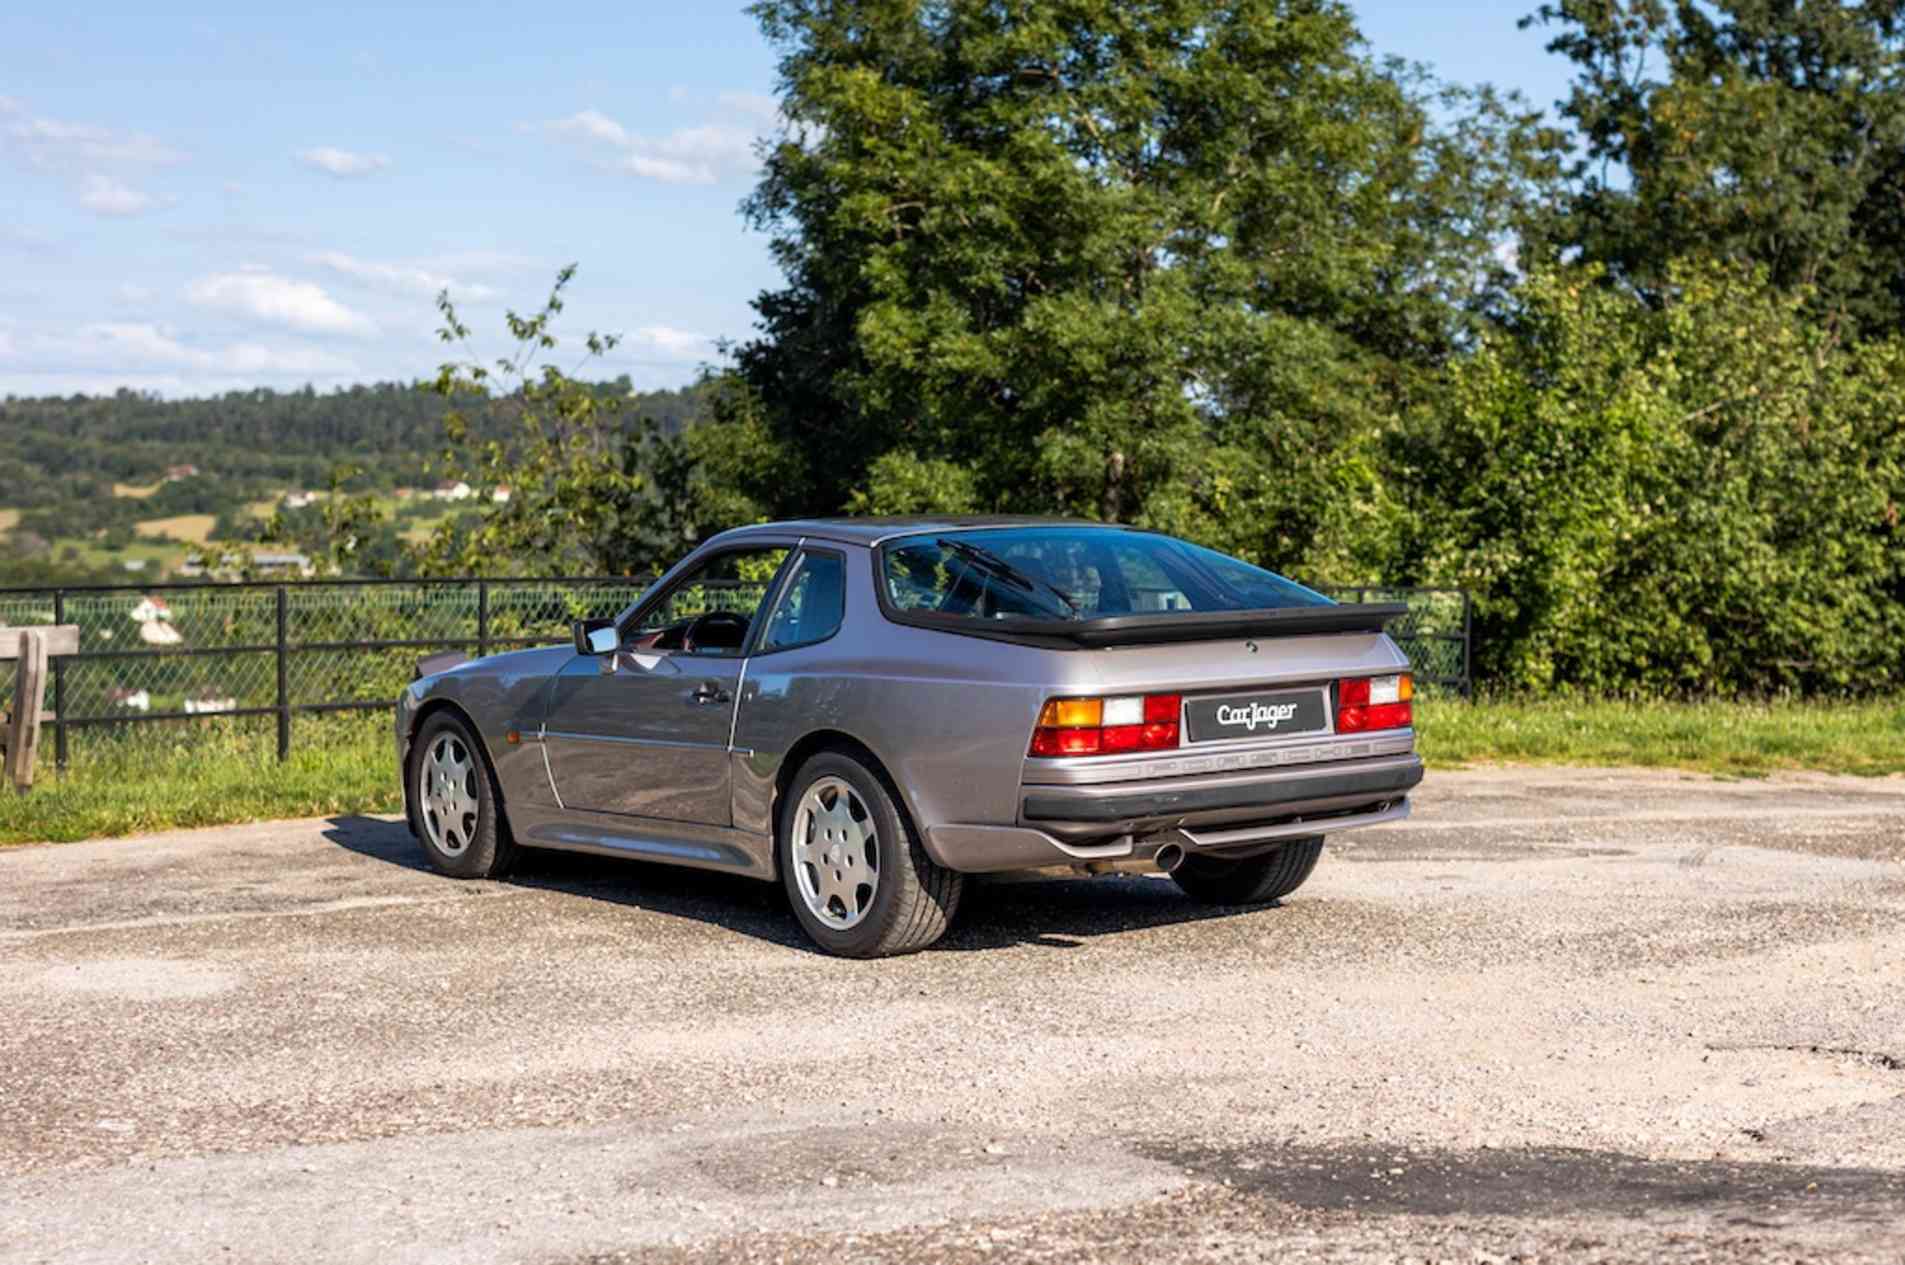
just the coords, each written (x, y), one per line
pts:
(1065, 574)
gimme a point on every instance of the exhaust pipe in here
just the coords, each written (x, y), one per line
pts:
(1169, 857)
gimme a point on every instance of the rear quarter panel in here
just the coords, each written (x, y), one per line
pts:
(948, 716)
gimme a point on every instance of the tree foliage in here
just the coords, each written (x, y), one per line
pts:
(1758, 133)
(1165, 262)
(1703, 495)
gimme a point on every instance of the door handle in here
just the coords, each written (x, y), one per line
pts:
(708, 692)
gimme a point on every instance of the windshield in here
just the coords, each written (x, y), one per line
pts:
(1065, 573)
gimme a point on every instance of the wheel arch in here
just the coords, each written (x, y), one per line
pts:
(435, 707)
(812, 744)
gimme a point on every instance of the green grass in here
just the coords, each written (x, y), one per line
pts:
(1741, 739)
(172, 774)
(163, 776)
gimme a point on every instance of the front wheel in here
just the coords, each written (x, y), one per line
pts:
(1252, 881)
(453, 794)
(860, 883)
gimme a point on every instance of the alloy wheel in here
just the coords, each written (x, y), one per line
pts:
(836, 854)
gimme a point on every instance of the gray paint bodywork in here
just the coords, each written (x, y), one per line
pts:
(616, 753)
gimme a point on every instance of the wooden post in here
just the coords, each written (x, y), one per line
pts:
(29, 701)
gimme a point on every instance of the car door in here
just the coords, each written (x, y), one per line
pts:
(645, 730)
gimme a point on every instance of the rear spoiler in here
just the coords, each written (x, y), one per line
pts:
(1166, 628)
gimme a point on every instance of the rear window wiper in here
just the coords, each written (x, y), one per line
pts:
(992, 563)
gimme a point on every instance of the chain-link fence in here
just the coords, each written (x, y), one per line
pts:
(1435, 634)
(174, 652)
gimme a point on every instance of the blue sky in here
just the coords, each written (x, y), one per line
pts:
(198, 197)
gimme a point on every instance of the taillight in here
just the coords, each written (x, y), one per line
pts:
(1374, 702)
(1107, 726)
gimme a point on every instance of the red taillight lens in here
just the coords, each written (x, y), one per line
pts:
(1075, 726)
(1364, 703)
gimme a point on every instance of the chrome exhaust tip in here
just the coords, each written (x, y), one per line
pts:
(1169, 857)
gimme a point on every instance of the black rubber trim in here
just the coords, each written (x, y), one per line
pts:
(1044, 805)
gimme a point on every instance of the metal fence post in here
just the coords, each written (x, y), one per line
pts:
(284, 680)
(59, 689)
(482, 619)
(1468, 645)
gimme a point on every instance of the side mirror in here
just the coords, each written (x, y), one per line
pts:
(596, 636)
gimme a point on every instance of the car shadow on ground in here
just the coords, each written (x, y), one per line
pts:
(1051, 913)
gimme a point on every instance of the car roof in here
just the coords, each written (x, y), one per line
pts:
(872, 530)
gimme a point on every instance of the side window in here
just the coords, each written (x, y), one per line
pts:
(812, 607)
(735, 583)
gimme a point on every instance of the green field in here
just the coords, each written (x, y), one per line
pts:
(211, 772)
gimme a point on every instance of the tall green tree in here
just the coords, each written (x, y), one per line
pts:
(1163, 261)
(1759, 133)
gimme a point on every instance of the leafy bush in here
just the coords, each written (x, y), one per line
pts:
(1697, 497)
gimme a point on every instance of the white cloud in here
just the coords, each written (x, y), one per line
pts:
(278, 300)
(400, 278)
(342, 163)
(594, 125)
(53, 142)
(672, 344)
(139, 349)
(130, 293)
(106, 196)
(689, 155)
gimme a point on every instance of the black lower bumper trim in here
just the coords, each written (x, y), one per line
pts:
(1046, 805)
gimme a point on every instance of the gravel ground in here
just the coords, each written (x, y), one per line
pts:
(1601, 1016)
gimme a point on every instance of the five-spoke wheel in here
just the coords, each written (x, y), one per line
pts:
(836, 853)
(860, 882)
(453, 801)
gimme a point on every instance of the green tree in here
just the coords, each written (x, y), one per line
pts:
(1766, 133)
(568, 478)
(1167, 262)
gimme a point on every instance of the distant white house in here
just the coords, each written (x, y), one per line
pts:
(276, 562)
(134, 564)
(209, 702)
(174, 473)
(131, 700)
(154, 618)
(499, 495)
(454, 491)
(299, 500)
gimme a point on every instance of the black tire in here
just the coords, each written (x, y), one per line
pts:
(483, 846)
(913, 900)
(1254, 881)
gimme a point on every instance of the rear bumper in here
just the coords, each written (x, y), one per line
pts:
(1090, 809)
(1231, 813)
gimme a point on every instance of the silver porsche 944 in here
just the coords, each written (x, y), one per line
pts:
(870, 710)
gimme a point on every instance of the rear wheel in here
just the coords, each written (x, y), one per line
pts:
(453, 794)
(1253, 881)
(858, 879)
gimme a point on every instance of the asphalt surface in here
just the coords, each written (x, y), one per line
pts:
(1593, 1016)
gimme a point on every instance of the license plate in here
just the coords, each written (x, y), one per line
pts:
(1273, 715)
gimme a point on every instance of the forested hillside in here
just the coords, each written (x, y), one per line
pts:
(113, 488)
(294, 438)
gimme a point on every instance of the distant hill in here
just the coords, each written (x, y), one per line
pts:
(85, 481)
(56, 448)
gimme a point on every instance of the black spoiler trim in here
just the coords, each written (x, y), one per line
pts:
(1162, 629)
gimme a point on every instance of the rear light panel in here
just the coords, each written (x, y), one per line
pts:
(1365, 703)
(1108, 726)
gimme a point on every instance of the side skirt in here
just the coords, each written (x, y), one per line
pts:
(644, 839)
